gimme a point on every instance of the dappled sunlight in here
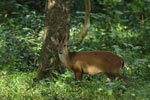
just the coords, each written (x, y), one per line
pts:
(16, 86)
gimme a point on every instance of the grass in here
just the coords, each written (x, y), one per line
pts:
(13, 86)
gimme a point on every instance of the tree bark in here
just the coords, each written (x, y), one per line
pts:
(84, 30)
(56, 22)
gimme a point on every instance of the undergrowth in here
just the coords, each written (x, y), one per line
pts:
(18, 86)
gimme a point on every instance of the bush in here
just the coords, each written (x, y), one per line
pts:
(21, 40)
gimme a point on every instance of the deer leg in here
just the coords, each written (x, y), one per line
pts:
(110, 77)
(124, 78)
(78, 76)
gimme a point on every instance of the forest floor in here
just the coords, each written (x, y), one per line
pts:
(18, 86)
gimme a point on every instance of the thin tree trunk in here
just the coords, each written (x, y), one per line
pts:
(84, 30)
(56, 22)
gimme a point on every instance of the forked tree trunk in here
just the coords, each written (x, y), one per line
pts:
(56, 22)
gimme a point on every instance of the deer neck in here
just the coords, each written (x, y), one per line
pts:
(64, 58)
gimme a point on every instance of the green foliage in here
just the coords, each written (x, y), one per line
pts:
(21, 40)
(118, 22)
(16, 86)
(116, 25)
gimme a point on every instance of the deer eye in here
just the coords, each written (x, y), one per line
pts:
(65, 45)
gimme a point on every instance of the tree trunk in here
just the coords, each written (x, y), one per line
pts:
(56, 22)
(86, 25)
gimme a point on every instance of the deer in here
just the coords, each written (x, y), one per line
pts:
(89, 62)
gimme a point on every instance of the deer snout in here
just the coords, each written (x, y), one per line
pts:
(60, 52)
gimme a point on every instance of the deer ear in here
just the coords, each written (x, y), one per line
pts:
(55, 41)
(52, 39)
(66, 38)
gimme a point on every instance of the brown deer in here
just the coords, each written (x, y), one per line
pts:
(89, 62)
